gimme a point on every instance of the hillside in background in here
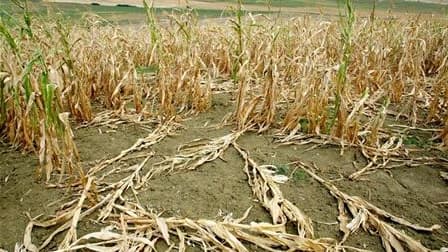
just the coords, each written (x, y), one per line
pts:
(216, 4)
(277, 2)
(130, 11)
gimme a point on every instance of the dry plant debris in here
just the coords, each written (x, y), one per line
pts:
(133, 228)
(154, 137)
(323, 88)
(356, 213)
(391, 154)
(194, 154)
(444, 175)
(294, 85)
(263, 182)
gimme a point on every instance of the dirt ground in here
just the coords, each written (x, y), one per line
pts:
(220, 188)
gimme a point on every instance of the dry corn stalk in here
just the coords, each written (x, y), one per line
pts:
(371, 218)
(112, 118)
(71, 233)
(381, 156)
(137, 229)
(391, 154)
(120, 187)
(406, 62)
(444, 175)
(264, 186)
(444, 134)
(70, 217)
(133, 228)
(62, 222)
(194, 154)
(141, 144)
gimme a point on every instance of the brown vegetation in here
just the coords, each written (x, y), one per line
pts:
(303, 77)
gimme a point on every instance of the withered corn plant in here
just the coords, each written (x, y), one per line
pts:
(298, 75)
(182, 77)
(31, 114)
(315, 82)
(75, 91)
(340, 114)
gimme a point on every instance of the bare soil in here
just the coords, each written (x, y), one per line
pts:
(220, 188)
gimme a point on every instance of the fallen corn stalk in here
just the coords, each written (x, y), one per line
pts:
(389, 155)
(139, 230)
(444, 175)
(70, 218)
(370, 218)
(141, 144)
(264, 186)
(193, 155)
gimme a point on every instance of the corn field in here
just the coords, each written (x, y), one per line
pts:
(352, 82)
